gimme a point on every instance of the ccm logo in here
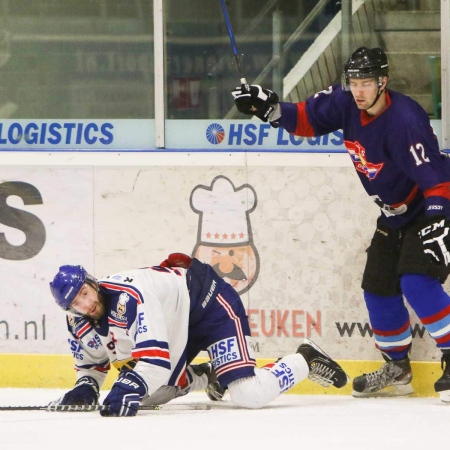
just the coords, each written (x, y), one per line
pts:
(432, 227)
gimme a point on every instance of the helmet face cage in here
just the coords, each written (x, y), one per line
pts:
(365, 63)
(67, 283)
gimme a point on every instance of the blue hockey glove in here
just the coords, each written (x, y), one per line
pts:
(435, 236)
(259, 102)
(125, 395)
(85, 392)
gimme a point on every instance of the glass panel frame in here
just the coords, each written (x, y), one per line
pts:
(179, 66)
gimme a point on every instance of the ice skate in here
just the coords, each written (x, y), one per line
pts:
(393, 379)
(442, 386)
(214, 390)
(322, 369)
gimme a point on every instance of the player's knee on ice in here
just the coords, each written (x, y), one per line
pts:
(268, 384)
(254, 392)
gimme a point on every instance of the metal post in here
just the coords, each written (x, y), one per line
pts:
(445, 72)
(277, 49)
(158, 26)
(347, 29)
(411, 5)
(213, 103)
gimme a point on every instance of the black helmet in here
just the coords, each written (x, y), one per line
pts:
(365, 63)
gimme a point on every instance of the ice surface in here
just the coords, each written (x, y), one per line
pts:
(302, 421)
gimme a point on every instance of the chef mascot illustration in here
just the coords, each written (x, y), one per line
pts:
(224, 237)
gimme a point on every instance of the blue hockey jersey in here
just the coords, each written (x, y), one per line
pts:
(396, 153)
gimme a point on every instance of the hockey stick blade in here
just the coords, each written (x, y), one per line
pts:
(89, 408)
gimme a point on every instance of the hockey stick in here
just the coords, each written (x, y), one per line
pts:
(88, 408)
(233, 45)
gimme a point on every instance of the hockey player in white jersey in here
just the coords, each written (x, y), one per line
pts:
(151, 323)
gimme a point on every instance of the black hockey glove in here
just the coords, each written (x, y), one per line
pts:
(125, 395)
(259, 102)
(85, 392)
(435, 236)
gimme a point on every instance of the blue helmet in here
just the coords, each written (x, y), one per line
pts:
(67, 283)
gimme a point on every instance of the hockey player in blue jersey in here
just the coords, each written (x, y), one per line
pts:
(397, 158)
(151, 323)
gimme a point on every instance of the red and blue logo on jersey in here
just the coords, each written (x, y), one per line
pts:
(358, 154)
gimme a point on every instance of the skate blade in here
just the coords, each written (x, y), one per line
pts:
(314, 345)
(444, 396)
(390, 391)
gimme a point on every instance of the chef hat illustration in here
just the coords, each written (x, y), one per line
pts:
(224, 212)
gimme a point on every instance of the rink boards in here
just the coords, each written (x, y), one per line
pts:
(302, 221)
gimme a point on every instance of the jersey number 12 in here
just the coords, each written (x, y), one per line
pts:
(419, 159)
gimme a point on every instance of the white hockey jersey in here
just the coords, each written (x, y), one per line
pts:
(145, 327)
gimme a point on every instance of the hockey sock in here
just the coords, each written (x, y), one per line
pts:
(289, 371)
(431, 303)
(268, 383)
(390, 323)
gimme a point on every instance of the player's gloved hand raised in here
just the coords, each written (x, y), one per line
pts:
(435, 235)
(258, 101)
(85, 392)
(125, 395)
(177, 260)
